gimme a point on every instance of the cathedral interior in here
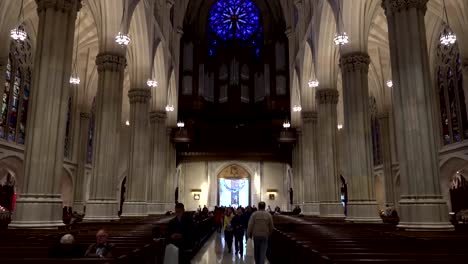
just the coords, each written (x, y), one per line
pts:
(347, 109)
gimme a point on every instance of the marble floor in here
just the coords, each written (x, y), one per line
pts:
(214, 251)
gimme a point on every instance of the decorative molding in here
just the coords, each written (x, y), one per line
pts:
(59, 5)
(110, 62)
(139, 95)
(157, 116)
(85, 115)
(357, 61)
(309, 116)
(395, 6)
(327, 96)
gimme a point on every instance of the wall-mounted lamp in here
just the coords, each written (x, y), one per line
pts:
(196, 194)
(271, 193)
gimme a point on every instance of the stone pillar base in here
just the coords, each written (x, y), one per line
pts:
(37, 211)
(101, 210)
(331, 210)
(312, 209)
(424, 214)
(158, 208)
(134, 209)
(363, 212)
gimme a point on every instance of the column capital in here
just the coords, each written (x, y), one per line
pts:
(309, 116)
(356, 61)
(395, 6)
(85, 115)
(60, 5)
(139, 95)
(327, 96)
(157, 116)
(110, 62)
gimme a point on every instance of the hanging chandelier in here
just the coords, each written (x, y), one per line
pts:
(389, 83)
(74, 78)
(286, 124)
(297, 108)
(180, 124)
(313, 83)
(170, 108)
(340, 126)
(122, 39)
(152, 83)
(447, 37)
(18, 33)
(341, 38)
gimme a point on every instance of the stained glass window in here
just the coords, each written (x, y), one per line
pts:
(449, 78)
(15, 98)
(234, 19)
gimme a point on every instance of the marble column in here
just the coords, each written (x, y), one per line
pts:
(298, 183)
(362, 206)
(80, 180)
(384, 122)
(157, 184)
(171, 172)
(327, 173)
(421, 203)
(309, 164)
(102, 204)
(139, 162)
(39, 204)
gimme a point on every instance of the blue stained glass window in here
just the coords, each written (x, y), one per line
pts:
(234, 19)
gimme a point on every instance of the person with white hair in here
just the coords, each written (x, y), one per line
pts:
(66, 248)
(102, 248)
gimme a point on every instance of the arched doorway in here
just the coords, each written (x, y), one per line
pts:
(234, 186)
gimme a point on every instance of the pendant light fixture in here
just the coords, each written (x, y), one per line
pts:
(74, 78)
(18, 33)
(447, 37)
(121, 38)
(341, 38)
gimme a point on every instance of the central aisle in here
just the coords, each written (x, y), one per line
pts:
(214, 251)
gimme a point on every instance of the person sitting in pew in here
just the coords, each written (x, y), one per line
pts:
(66, 248)
(179, 232)
(102, 248)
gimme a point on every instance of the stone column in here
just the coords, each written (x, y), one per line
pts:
(171, 170)
(157, 184)
(298, 183)
(421, 203)
(80, 180)
(362, 205)
(139, 162)
(309, 163)
(327, 173)
(102, 204)
(39, 204)
(384, 122)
